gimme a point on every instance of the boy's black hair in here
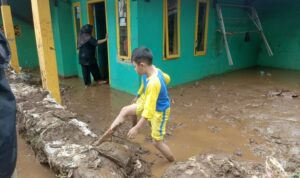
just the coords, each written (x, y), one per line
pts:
(142, 54)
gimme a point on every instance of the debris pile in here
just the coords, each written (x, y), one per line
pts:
(218, 165)
(62, 141)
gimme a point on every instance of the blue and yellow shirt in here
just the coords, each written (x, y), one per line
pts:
(154, 94)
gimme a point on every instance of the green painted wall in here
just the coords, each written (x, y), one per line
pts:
(64, 40)
(122, 75)
(83, 6)
(282, 28)
(26, 45)
(189, 67)
(147, 30)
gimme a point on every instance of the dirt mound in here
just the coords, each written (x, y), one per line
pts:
(213, 166)
(62, 141)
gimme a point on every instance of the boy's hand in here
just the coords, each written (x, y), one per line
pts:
(132, 133)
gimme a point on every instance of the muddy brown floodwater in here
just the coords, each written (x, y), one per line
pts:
(222, 114)
(27, 165)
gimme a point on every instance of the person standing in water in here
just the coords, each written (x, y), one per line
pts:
(86, 45)
(152, 104)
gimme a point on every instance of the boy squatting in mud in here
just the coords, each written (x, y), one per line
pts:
(152, 103)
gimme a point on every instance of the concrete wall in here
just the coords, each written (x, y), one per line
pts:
(280, 20)
(64, 39)
(147, 30)
(122, 74)
(26, 44)
(188, 67)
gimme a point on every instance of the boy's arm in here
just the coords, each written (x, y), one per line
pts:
(152, 93)
(134, 130)
(151, 96)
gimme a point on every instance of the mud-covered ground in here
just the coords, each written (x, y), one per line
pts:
(228, 125)
(246, 115)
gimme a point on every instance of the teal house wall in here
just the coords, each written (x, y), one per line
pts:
(64, 39)
(122, 75)
(279, 21)
(147, 30)
(188, 67)
(282, 28)
(26, 45)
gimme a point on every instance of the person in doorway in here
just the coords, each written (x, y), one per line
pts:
(8, 136)
(152, 104)
(86, 45)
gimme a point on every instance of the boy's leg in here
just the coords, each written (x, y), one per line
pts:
(134, 120)
(164, 149)
(158, 131)
(127, 111)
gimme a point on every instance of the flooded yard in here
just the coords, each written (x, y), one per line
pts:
(237, 113)
(247, 115)
(27, 165)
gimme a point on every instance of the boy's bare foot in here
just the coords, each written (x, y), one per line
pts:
(107, 136)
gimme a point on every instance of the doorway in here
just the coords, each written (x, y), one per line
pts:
(97, 18)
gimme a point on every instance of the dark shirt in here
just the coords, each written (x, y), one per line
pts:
(87, 52)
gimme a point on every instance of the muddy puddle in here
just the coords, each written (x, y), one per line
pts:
(214, 115)
(211, 136)
(28, 165)
(240, 114)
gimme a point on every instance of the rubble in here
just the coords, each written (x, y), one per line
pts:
(209, 165)
(219, 165)
(283, 93)
(62, 141)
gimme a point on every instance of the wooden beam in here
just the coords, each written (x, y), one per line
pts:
(45, 46)
(10, 35)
